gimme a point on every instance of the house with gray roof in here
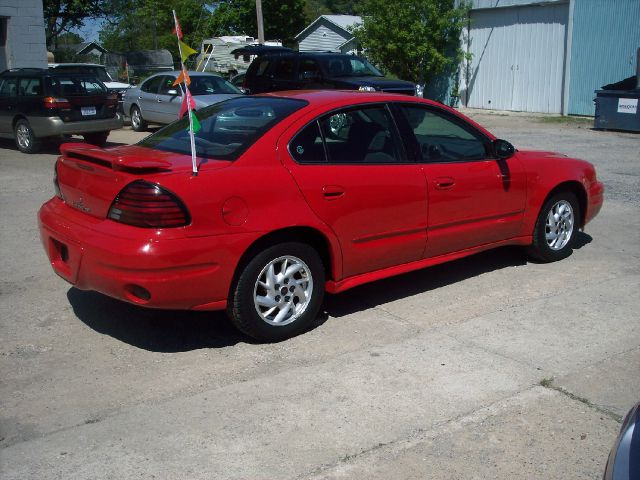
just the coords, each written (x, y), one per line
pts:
(330, 33)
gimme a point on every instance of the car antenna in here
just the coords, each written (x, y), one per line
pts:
(193, 122)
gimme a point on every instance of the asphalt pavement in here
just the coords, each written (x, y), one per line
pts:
(487, 367)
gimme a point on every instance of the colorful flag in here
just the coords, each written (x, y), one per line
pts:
(185, 51)
(177, 30)
(195, 123)
(183, 77)
(186, 97)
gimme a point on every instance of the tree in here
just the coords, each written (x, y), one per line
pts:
(69, 38)
(415, 40)
(148, 25)
(63, 15)
(283, 19)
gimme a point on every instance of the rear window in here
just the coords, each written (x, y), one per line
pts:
(227, 129)
(73, 85)
(96, 71)
(210, 85)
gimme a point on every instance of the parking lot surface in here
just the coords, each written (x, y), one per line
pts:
(487, 367)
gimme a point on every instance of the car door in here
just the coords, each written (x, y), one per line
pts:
(351, 167)
(283, 76)
(148, 98)
(474, 198)
(168, 100)
(310, 76)
(8, 103)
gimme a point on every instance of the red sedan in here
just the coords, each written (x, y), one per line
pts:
(297, 194)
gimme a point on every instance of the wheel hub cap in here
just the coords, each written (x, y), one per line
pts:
(283, 290)
(559, 225)
(22, 135)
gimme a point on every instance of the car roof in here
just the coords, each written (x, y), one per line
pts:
(191, 73)
(25, 72)
(92, 65)
(324, 96)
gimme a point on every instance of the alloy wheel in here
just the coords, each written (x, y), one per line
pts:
(283, 290)
(559, 225)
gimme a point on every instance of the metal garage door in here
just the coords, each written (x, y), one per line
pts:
(517, 58)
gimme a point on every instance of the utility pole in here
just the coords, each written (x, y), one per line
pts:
(260, 24)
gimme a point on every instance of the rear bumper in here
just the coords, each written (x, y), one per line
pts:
(138, 265)
(52, 126)
(595, 198)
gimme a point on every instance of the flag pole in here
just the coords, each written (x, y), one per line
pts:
(194, 164)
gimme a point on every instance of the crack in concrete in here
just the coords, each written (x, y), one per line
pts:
(548, 383)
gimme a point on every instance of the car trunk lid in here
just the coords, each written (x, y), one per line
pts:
(90, 178)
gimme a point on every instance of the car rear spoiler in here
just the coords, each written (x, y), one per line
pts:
(99, 156)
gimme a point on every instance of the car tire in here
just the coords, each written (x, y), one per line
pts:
(26, 141)
(138, 123)
(278, 293)
(554, 235)
(99, 138)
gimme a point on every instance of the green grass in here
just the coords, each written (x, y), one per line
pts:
(576, 121)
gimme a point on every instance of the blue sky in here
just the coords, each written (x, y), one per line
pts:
(90, 30)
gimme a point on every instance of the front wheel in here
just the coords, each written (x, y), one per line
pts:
(555, 232)
(278, 293)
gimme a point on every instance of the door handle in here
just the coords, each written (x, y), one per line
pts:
(444, 183)
(332, 192)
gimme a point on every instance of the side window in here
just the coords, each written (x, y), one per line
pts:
(309, 70)
(361, 135)
(8, 88)
(306, 146)
(167, 84)
(284, 69)
(261, 67)
(441, 139)
(151, 85)
(30, 87)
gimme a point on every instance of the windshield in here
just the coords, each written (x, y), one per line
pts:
(227, 128)
(348, 66)
(209, 85)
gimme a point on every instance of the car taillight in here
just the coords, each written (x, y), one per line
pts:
(112, 99)
(147, 205)
(55, 102)
(56, 185)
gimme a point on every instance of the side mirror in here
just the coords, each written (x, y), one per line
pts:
(172, 91)
(503, 149)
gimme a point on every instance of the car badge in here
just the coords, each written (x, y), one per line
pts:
(79, 204)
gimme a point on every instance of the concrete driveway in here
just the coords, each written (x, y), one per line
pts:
(488, 367)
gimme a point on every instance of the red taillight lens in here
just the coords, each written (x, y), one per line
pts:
(112, 99)
(147, 205)
(54, 102)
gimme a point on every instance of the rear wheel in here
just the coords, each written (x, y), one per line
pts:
(98, 138)
(555, 232)
(137, 122)
(278, 293)
(26, 141)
